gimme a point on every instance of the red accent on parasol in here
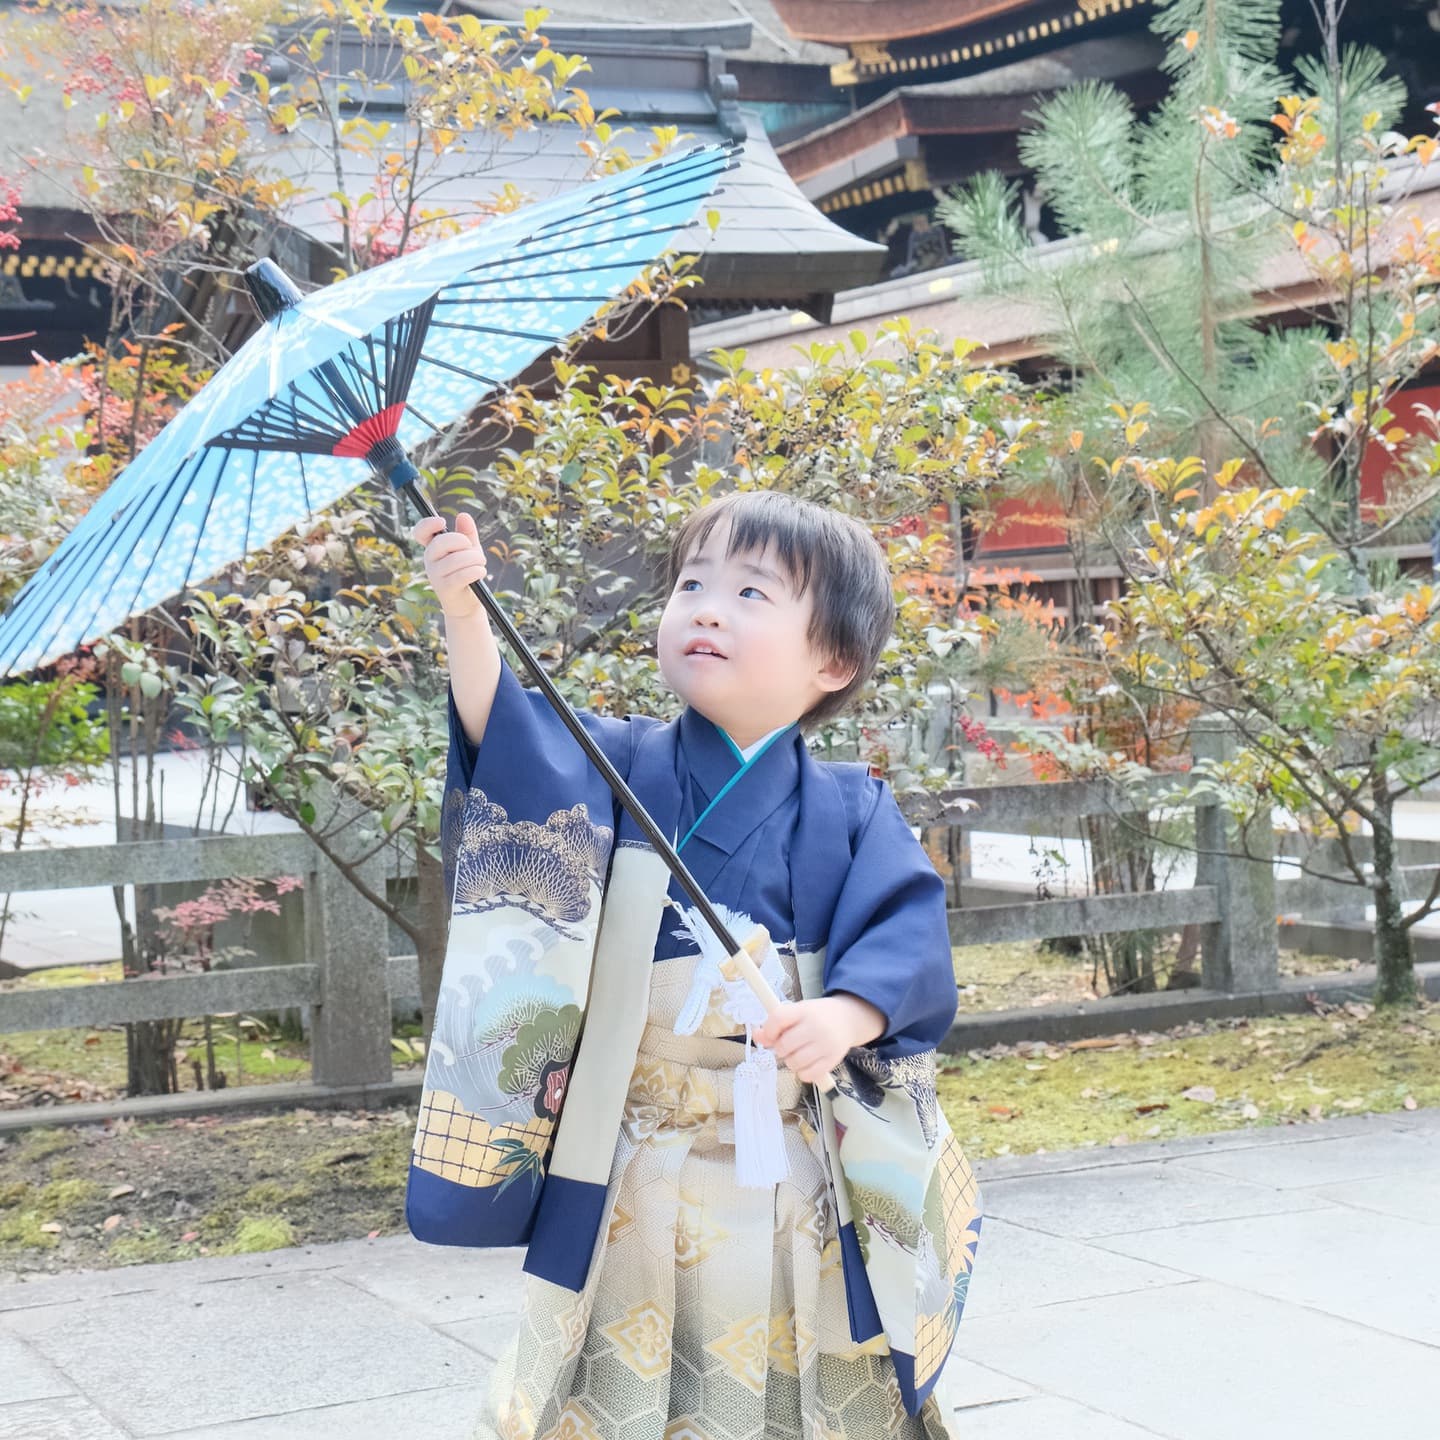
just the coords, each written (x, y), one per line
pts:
(369, 433)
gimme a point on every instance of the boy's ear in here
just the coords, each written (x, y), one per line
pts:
(835, 675)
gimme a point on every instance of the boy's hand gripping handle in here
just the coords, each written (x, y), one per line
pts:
(741, 966)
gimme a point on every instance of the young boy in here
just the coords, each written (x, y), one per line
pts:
(716, 1249)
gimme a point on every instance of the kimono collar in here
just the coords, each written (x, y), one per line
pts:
(820, 857)
(709, 757)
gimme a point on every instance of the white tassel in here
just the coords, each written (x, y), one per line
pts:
(760, 1160)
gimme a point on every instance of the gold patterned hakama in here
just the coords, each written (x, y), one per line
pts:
(710, 1312)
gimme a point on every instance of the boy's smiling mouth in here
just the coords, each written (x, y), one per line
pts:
(705, 647)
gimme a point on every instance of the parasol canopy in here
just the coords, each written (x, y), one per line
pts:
(341, 383)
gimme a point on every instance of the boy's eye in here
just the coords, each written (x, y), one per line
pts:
(688, 585)
(754, 590)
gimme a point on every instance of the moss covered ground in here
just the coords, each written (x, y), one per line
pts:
(1222, 1075)
(127, 1193)
(1023, 973)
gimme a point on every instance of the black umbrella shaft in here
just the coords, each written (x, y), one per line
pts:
(597, 757)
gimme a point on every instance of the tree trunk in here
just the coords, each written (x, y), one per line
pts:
(1394, 966)
(150, 1057)
(1121, 865)
(433, 908)
(149, 1044)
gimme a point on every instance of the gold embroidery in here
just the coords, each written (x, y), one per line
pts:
(696, 1236)
(743, 1349)
(574, 1424)
(642, 1339)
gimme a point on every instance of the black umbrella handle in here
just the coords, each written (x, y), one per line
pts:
(597, 757)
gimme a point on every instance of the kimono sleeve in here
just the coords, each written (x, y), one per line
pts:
(889, 936)
(525, 738)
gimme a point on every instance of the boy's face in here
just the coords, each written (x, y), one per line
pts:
(734, 642)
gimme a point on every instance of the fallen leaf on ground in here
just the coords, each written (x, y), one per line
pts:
(120, 1190)
(1150, 1109)
(1410, 1103)
(111, 1221)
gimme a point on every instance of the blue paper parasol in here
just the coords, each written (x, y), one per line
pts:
(344, 382)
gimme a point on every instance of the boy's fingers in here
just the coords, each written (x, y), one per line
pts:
(466, 536)
(446, 557)
(778, 1022)
(450, 549)
(803, 1057)
(806, 1064)
(448, 542)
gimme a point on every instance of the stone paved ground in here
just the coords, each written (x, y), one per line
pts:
(1269, 1285)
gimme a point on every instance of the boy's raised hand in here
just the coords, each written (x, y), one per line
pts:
(453, 559)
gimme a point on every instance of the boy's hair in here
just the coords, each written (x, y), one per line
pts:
(853, 611)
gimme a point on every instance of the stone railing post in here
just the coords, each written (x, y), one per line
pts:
(946, 844)
(346, 937)
(1241, 952)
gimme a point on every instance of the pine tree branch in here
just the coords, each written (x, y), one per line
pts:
(1161, 351)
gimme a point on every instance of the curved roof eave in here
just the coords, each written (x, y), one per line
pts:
(771, 242)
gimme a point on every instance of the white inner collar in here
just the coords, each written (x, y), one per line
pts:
(764, 740)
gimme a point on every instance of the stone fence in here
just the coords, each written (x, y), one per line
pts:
(1233, 897)
(340, 968)
(346, 978)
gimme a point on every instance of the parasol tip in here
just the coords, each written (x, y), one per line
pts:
(270, 288)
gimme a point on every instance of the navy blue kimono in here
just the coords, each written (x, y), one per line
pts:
(556, 892)
(752, 854)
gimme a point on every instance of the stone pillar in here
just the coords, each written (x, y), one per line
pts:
(347, 938)
(1241, 952)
